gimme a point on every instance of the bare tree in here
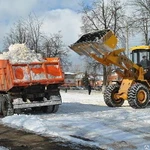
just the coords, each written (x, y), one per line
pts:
(141, 5)
(18, 34)
(141, 18)
(33, 26)
(28, 31)
(25, 31)
(103, 15)
(53, 46)
(93, 67)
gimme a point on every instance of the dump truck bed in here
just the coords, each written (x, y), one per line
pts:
(26, 74)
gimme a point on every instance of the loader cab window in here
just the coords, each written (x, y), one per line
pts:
(137, 55)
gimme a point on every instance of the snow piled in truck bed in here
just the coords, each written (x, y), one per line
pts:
(20, 53)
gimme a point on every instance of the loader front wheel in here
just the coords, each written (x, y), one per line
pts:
(138, 96)
(110, 98)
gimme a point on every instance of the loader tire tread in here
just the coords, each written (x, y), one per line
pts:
(109, 96)
(133, 98)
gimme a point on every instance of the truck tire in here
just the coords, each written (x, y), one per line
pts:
(10, 110)
(50, 109)
(55, 108)
(138, 96)
(17, 111)
(4, 106)
(47, 109)
(109, 96)
(0, 106)
(36, 109)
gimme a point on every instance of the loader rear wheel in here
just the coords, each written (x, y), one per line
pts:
(138, 96)
(110, 98)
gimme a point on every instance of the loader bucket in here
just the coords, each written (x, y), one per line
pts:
(99, 43)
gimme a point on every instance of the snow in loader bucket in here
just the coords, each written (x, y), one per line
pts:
(99, 43)
(93, 37)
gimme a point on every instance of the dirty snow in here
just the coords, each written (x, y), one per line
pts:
(20, 53)
(85, 119)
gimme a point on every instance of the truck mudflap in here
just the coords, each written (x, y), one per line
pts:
(54, 100)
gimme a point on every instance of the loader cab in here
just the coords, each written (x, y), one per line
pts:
(137, 52)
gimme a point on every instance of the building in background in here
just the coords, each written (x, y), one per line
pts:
(78, 78)
(70, 79)
(75, 79)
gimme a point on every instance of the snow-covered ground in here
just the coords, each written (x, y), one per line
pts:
(3, 148)
(85, 119)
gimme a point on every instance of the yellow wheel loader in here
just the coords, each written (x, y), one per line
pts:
(134, 85)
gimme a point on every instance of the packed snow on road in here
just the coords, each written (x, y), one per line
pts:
(85, 119)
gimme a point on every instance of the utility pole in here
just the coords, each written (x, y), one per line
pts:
(127, 40)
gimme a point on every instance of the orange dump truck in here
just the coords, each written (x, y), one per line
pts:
(30, 85)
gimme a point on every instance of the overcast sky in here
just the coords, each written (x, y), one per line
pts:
(59, 15)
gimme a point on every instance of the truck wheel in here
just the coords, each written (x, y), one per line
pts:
(17, 111)
(0, 106)
(55, 108)
(9, 105)
(110, 98)
(4, 106)
(138, 96)
(35, 109)
(47, 109)
(50, 109)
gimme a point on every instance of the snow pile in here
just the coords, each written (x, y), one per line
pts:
(20, 53)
